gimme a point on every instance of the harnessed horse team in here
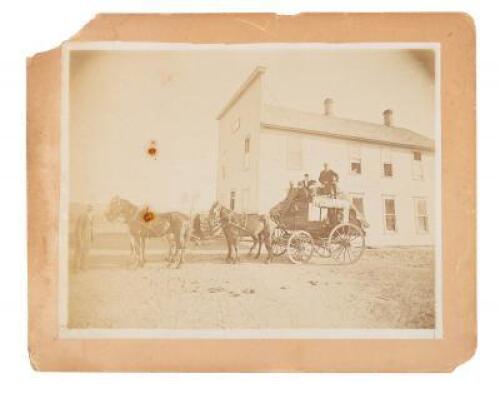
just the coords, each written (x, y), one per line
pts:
(176, 228)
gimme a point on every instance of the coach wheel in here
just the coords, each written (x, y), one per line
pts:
(347, 243)
(279, 241)
(300, 247)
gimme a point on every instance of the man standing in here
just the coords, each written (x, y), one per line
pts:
(328, 178)
(84, 236)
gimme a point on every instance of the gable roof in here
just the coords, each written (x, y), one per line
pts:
(318, 124)
(258, 71)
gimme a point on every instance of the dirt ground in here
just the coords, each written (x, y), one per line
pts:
(387, 288)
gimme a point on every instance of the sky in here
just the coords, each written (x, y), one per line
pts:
(121, 101)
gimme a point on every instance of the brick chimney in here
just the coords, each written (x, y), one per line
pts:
(388, 121)
(328, 104)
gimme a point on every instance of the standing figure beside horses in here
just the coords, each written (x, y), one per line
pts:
(234, 225)
(84, 236)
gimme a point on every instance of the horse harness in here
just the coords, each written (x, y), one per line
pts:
(232, 220)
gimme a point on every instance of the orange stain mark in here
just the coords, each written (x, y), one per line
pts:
(148, 216)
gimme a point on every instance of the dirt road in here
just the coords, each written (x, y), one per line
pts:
(387, 288)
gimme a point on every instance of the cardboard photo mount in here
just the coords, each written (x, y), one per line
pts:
(455, 34)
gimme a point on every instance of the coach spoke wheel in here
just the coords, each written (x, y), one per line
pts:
(346, 243)
(300, 247)
(323, 248)
(279, 241)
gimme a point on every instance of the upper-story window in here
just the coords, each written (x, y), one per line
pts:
(387, 166)
(246, 154)
(294, 154)
(355, 161)
(236, 125)
(417, 167)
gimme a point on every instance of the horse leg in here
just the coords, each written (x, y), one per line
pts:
(181, 241)
(185, 242)
(255, 240)
(229, 247)
(169, 245)
(142, 242)
(178, 247)
(235, 245)
(260, 246)
(173, 250)
(134, 243)
(133, 252)
(269, 248)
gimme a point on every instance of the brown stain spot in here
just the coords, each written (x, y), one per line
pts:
(148, 216)
(152, 149)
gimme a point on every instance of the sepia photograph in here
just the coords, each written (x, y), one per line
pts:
(250, 190)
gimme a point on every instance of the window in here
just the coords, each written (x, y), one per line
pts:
(387, 162)
(246, 157)
(355, 161)
(232, 200)
(421, 215)
(387, 169)
(417, 168)
(390, 214)
(356, 167)
(294, 152)
(236, 125)
(357, 201)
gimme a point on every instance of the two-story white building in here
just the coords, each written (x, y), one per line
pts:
(387, 171)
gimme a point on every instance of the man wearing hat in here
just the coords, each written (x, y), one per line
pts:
(328, 178)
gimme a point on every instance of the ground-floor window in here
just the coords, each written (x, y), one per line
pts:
(390, 214)
(357, 201)
(232, 200)
(421, 215)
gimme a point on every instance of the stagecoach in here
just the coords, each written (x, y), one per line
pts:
(318, 225)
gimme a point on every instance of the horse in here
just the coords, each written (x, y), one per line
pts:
(234, 225)
(144, 223)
